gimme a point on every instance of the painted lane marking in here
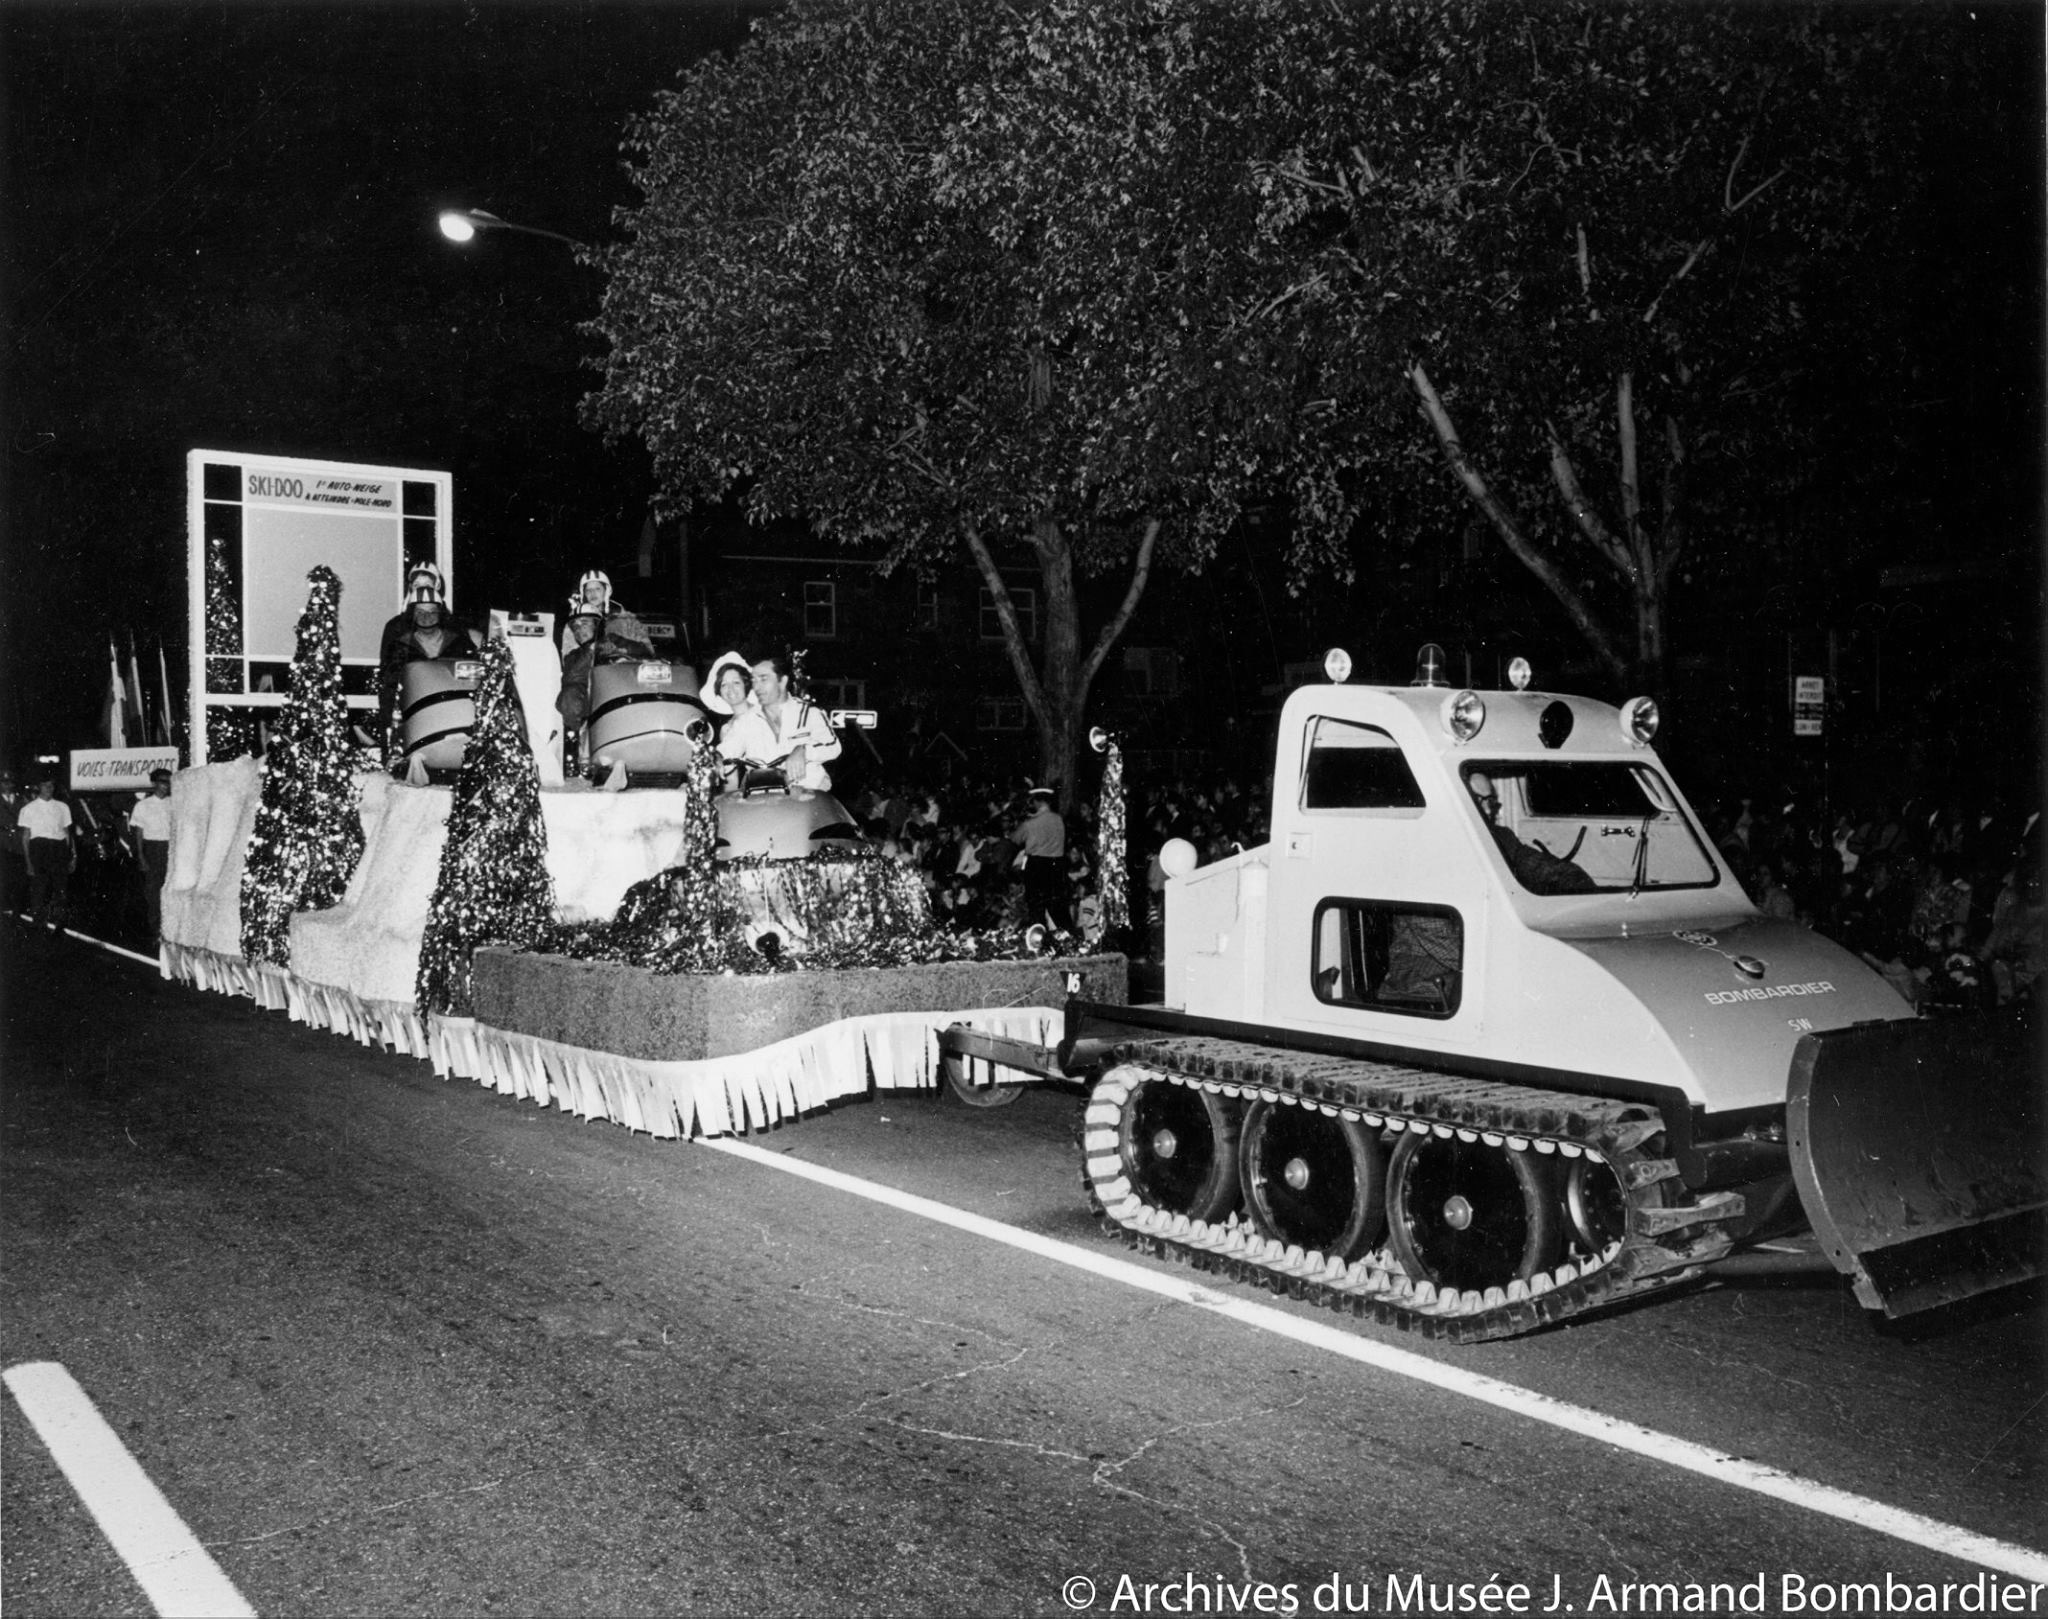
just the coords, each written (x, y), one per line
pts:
(170, 1565)
(1913, 1528)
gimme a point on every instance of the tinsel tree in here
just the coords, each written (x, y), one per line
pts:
(494, 886)
(685, 919)
(223, 621)
(309, 833)
(1112, 865)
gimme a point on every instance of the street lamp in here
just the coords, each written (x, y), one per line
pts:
(462, 225)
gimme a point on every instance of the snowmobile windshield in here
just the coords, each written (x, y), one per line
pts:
(1589, 826)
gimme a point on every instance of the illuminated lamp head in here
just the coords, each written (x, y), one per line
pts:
(1462, 714)
(1429, 666)
(1639, 720)
(1519, 674)
(1177, 857)
(1337, 665)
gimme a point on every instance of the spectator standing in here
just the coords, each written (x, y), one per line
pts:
(45, 830)
(149, 827)
(13, 874)
(1042, 837)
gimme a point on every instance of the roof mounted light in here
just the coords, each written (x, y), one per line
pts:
(1463, 713)
(1639, 720)
(1337, 665)
(1519, 674)
(1429, 666)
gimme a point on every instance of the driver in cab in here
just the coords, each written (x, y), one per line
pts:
(1532, 865)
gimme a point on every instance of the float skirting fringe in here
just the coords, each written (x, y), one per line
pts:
(712, 1096)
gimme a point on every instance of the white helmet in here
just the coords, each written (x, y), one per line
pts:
(604, 588)
(423, 583)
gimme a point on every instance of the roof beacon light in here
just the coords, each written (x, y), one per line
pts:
(1429, 666)
(1337, 665)
(1519, 673)
(1463, 714)
(1639, 720)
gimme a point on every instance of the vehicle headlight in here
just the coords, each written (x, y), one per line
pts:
(1639, 720)
(1463, 713)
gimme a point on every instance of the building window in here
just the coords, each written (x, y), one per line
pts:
(999, 714)
(821, 610)
(831, 694)
(1024, 599)
(925, 616)
(1151, 671)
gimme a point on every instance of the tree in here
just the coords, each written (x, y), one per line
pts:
(308, 834)
(950, 276)
(493, 886)
(1602, 251)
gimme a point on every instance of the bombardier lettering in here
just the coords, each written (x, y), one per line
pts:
(1768, 992)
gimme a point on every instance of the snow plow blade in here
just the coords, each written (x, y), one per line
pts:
(1917, 1149)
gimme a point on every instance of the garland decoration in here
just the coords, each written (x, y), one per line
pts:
(308, 834)
(494, 886)
(223, 620)
(1112, 860)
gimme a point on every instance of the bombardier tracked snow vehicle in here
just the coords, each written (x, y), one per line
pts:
(1487, 1035)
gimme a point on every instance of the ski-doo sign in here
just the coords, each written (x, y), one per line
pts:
(257, 525)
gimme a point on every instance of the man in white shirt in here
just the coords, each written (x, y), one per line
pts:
(44, 828)
(781, 729)
(1042, 837)
(149, 826)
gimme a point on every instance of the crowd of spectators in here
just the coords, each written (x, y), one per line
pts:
(1941, 893)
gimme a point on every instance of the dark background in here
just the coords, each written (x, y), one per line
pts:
(219, 232)
(220, 227)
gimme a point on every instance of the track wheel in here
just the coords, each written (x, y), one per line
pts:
(973, 1081)
(1595, 1204)
(1312, 1180)
(1466, 1215)
(1177, 1145)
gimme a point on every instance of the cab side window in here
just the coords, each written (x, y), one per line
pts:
(1389, 957)
(1355, 767)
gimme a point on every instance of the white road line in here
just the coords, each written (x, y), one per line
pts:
(2020, 1561)
(170, 1565)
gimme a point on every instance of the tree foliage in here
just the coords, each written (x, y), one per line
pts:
(1605, 251)
(951, 275)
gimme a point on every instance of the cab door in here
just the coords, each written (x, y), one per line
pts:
(1378, 909)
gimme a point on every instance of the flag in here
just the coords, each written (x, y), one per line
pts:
(163, 672)
(138, 702)
(117, 700)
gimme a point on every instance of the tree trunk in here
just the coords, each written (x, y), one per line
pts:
(1056, 691)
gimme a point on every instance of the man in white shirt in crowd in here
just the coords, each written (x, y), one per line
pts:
(44, 828)
(149, 826)
(1042, 836)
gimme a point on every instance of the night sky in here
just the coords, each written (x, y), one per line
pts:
(220, 233)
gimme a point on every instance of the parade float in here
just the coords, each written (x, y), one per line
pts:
(681, 961)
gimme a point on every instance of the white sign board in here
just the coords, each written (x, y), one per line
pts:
(111, 770)
(256, 526)
(1809, 699)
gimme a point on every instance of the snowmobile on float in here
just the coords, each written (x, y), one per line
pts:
(1487, 1035)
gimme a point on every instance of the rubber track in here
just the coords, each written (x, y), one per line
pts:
(1629, 1135)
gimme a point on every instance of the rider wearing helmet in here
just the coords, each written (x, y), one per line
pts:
(423, 629)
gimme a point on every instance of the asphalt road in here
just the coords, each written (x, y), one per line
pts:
(395, 1344)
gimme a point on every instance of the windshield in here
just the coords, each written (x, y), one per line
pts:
(1592, 826)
